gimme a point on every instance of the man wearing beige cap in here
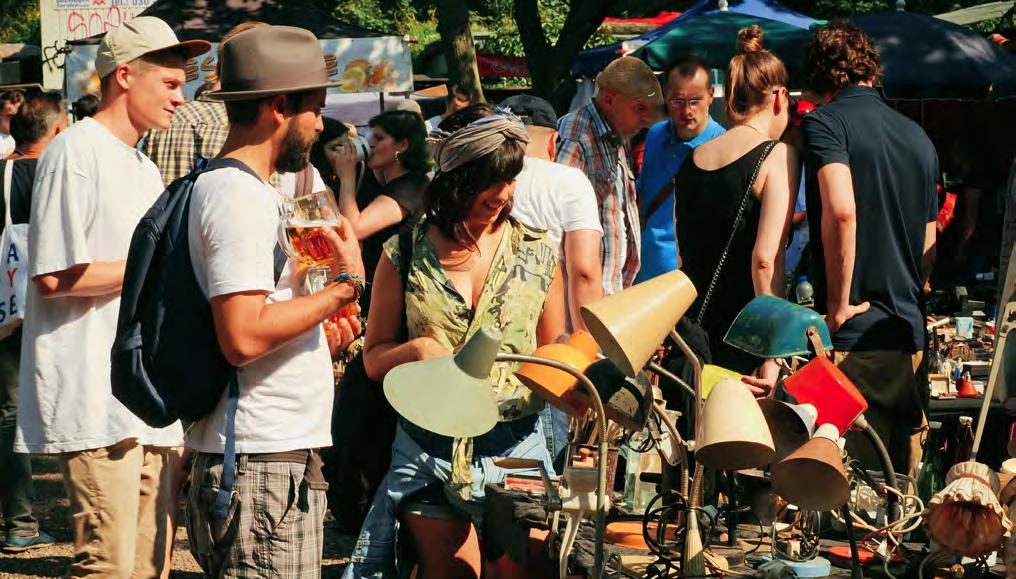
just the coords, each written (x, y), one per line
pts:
(273, 83)
(595, 139)
(91, 188)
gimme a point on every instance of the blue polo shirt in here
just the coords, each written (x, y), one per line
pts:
(664, 154)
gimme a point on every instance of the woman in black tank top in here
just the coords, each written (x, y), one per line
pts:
(742, 177)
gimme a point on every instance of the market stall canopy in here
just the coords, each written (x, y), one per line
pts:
(924, 57)
(979, 13)
(713, 36)
(591, 61)
(211, 19)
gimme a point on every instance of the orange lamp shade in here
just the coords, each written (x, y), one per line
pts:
(557, 387)
(828, 389)
(629, 534)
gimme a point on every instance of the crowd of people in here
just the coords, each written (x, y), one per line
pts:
(503, 217)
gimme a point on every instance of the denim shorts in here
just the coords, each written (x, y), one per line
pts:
(420, 460)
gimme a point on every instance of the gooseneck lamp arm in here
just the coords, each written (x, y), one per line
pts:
(889, 473)
(601, 463)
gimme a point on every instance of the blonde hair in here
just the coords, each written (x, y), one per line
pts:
(751, 74)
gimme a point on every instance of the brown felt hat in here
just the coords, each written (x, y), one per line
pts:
(271, 60)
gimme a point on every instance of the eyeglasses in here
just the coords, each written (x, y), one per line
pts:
(686, 103)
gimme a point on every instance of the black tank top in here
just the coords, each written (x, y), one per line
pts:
(706, 204)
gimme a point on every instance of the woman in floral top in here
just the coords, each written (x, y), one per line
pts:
(472, 267)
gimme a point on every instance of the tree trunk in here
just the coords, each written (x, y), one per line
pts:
(459, 50)
(550, 66)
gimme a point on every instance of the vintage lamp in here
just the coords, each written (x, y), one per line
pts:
(813, 476)
(733, 434)
(630, 326)
(966, 517)
(457, 400)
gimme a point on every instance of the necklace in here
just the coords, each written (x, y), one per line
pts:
(754, 129)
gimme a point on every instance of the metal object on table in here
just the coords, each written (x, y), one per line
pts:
(602, 503)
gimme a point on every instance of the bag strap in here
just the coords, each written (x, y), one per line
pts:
(666, 191)
(304, 181)
(733, 230)
(224, 497)
(407, 245)
(8, 176)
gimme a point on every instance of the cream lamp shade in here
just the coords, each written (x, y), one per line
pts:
(630, 325)
(450, 395)
(733, 434)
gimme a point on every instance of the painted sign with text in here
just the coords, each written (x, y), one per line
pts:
(378, 64)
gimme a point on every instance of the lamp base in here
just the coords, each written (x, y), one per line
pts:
(817, 567)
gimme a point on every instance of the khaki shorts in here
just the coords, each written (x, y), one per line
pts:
(888, 380)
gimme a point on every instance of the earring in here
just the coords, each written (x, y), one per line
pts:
(396, 156)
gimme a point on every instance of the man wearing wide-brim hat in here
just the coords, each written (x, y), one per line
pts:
(92, 186)
(273, 84)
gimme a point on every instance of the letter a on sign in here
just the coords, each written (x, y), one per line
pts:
(12, 254)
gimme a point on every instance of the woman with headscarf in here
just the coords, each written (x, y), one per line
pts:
(472, 266)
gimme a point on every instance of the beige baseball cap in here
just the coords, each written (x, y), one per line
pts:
(138, 37)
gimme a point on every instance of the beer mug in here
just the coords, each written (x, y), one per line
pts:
(300, 229)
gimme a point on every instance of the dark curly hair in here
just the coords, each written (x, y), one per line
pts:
(841, 55)
(404, 125)
(450, 196)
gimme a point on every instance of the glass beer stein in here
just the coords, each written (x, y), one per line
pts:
(301, 237)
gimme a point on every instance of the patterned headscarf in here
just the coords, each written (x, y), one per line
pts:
(477, 139)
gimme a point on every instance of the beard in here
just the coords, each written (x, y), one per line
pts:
(295, 154)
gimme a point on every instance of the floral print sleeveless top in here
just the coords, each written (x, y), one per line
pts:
(511, 302)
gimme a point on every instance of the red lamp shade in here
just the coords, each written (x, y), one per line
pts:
(825, 387)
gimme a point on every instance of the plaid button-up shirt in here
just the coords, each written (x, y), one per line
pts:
(586, 141)
(198, 127)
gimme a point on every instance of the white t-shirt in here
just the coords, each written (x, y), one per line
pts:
(91, 189)
(6, 145)
(555, 197)
(285, 396)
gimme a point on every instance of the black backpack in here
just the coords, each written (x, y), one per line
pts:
(166, 361)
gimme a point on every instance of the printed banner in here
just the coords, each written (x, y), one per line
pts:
(380, 64)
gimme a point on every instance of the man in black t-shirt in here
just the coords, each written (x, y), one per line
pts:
(871, 176)
(41, 117)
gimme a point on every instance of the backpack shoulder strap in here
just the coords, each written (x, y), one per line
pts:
(279, 256)
(666, 191)
(305, 181)
(406, 246)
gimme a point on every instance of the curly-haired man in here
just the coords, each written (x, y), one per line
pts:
(871, 175)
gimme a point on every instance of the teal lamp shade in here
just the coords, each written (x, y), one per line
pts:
(450, 395)
(770, 327)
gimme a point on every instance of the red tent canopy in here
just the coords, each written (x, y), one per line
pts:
(656, 21)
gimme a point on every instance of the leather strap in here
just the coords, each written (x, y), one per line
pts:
(657, 202)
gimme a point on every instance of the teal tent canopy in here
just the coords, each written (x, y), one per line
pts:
(713, 36)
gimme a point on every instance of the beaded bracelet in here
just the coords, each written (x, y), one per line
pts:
(354, 281)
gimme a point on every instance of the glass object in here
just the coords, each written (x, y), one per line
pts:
(964, 439)
(929, 478)
(301, 228)
(804, 292)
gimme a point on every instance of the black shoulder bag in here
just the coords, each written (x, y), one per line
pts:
(363, 428)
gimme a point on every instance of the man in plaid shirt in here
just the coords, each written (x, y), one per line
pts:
(594, 139)
(198, 129)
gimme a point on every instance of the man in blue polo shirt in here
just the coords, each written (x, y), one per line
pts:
(689, 93)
